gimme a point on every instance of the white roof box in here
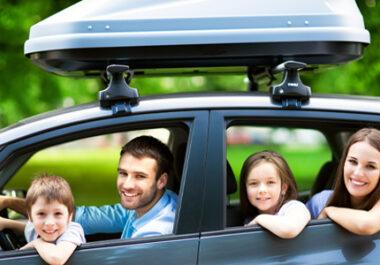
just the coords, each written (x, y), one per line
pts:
(151, 34)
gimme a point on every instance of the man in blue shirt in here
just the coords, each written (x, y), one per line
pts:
(146, 208)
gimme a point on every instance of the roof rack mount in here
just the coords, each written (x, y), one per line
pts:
(118, 95)
(291, 93)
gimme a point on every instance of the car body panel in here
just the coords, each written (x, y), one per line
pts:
(186, 102)
(330, 245)
(135, 251)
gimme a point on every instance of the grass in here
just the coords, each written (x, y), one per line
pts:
(92, 174)
(304, 161)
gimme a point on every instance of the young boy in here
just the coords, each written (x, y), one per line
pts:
(50, 207)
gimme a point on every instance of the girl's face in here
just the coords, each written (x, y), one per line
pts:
(361, 171)
(49, 219)
(264, 189)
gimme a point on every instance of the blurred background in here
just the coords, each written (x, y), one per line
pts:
(26, 90)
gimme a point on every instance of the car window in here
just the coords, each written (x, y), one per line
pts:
(90, 165)
(305, 150)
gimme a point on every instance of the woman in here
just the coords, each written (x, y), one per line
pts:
(355, 201)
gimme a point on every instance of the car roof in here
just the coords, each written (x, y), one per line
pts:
(172, 34)
(182, 102)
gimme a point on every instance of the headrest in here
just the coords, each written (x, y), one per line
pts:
(231, 181)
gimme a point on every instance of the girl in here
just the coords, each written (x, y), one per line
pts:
(355, 201)
(268, 195)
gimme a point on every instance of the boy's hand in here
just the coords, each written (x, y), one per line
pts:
(30, 245)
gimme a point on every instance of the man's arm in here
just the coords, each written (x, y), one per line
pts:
(14, 203)
(16, 226)
(104, 219)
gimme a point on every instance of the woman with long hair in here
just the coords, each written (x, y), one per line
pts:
(355, 201)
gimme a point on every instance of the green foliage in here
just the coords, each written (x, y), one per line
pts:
(26, 90)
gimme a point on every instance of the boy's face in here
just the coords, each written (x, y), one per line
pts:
(49, 219)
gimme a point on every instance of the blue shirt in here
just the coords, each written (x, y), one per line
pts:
(159, 220)
(316, 204)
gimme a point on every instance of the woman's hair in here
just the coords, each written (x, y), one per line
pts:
(51, 188)
(283, 170)
(341, 197)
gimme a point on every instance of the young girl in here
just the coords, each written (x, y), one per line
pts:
(268, 195)
(50, 205)
(355, 201)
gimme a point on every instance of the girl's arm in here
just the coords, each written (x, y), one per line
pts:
(52, 253)
(288, 225)
(16, 226)
(359, 222)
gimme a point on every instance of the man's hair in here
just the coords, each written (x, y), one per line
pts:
(51, 188)
(148, 146)
(283, 170)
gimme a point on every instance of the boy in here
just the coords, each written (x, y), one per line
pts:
(50, 207)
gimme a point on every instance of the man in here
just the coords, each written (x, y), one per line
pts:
(146, 208)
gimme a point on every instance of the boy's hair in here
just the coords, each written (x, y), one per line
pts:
(283, 170)
(148, 146)
(51, 188)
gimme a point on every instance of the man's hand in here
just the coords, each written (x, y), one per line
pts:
(14, 203)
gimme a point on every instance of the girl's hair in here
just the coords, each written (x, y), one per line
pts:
(51, 188)
(283, 170)
(341, 197)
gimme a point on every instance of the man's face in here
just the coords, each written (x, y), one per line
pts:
(137, 185)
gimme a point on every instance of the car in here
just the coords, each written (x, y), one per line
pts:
(209, 134)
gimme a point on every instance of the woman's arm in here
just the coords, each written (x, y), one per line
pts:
(52, 253)
(16, 226)
(288, 225)
(360, 222)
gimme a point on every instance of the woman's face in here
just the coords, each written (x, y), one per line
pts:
(361, 171)
(264, 187)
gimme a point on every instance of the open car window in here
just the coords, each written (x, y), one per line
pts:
(90, 166)
(306, 151)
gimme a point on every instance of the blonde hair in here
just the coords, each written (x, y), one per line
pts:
(51, 188)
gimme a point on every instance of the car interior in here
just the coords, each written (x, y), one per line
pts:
(49, 159)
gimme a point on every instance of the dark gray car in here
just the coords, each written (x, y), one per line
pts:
(202, 130)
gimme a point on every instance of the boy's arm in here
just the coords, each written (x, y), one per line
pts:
(16, 226)
(52, 253)
(14, 203)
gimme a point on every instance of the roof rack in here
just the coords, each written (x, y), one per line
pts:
(291, 93)
(118, 95)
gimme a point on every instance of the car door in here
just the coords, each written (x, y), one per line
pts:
(179, 248)
(322, 241)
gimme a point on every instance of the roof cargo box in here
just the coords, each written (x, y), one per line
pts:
(164, 35)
